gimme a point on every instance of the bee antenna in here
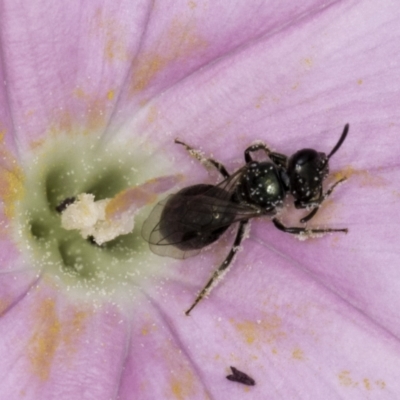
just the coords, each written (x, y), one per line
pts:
(340, 142)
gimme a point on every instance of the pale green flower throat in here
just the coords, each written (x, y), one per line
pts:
(57, 173)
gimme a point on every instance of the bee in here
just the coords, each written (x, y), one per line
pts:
(186, 222)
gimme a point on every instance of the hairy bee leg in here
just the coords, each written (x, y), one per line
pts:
(222, 269)
(321, 200)
(294, 230)
(197, 154)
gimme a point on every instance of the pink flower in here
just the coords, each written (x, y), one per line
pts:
(94, 95)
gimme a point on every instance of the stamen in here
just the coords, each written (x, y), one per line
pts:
(104, 220)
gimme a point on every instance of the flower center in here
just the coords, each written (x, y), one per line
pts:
(59, 172)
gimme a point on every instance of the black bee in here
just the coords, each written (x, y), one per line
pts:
(181, 225)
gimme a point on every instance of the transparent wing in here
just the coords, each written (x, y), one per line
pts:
(181, 225)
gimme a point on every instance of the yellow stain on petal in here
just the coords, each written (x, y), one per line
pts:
(112, 35)
(63, 122)
(144, 331)
(307, 62)
(148, 67)
(182, 386)
(110, 95)
(248, 330)
(11, 180)
(30, 113)
(115, 50)
(96, 116)
(4, 304)
(74, 326)
(11, 189)
(180, 40)
(380, 384)
(148, 328)
(45, 341)
(298, 354)
(259, 101)
(268, 330)
(96, 110)
(152, 114)
(181, 382)
(345, 379)
(80, 93)
(192, 5)
(295, 86)
(51, 335)
(360, 82)
(66, 121)
(366, 178)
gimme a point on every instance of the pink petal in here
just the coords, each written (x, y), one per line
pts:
(53, 348)
(314, 318)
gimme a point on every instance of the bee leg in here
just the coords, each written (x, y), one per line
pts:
(294, 230)
(255, 147)
(223, 268)
(198, 155)
(321, 200)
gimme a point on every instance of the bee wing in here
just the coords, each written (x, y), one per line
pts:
(228, 185)
(181, 225)
(175, 241)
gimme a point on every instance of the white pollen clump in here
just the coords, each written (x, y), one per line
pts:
(89, 217)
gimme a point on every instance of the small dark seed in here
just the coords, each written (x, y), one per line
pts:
(240, 377)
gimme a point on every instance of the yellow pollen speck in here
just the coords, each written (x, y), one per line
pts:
(110, 94)
(298, 354)
(145, 332)
(308, 62)
(345, 379)
(259, 101)
(80, 93)
(381, 384)
(360, 82)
